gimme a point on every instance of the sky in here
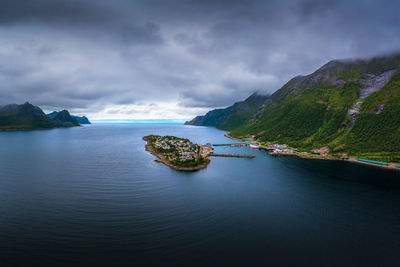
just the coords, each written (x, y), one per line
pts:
(175, 59)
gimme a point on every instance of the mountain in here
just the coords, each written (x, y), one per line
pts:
(52, 115)
(63, 118)
(81, 120)
(76, 119)
(231, 117)
(350, 106)
(30, 117)
(23, 117)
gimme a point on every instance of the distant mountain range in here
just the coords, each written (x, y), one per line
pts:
(30, 117)
(63, 115)
(351, 106)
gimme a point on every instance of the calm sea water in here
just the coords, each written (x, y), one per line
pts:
(91, 195)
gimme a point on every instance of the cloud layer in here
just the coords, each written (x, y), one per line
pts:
(177, 58)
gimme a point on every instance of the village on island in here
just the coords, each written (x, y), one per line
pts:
(177, 153)
(183, 155)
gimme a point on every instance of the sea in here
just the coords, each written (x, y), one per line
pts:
(92, 196)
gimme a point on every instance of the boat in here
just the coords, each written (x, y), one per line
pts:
(254, 146)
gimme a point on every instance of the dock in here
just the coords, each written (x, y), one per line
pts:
(231, 155)
(231, 144)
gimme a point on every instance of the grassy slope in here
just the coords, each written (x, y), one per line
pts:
(241, 113)
(29, 117)
(304, 119)
(234, 116)
(15, 122)
(378, 135)
(315, 114)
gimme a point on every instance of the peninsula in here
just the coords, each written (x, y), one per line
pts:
(178, 153)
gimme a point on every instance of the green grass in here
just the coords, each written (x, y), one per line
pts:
(376, 132)
(305, 119)
(319, 117)
(15, 122)
(312, 111)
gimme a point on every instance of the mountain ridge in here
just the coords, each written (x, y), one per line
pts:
(77, 119)
(26, 116)
(230, 116)
(342, 105)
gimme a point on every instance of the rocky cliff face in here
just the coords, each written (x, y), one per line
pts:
(370, 84)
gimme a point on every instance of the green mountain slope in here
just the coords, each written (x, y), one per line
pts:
(232, 117)
(77, 119)
(81, 120)
(63, 118)
(30, 117)
(350, 106)
(23, 117)
(377, 129)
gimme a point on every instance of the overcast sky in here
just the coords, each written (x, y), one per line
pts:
(176, 58)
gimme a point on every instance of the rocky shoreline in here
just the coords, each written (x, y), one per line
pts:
(233, 138)
(162, 159)
(390, 166)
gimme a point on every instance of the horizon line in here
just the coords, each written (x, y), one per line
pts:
(143, 121)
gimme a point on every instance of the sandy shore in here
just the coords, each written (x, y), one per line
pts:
(162, 159)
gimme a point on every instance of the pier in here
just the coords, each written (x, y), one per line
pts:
(231, 144)
(231, 155)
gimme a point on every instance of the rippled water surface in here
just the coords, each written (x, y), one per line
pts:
(91, 195)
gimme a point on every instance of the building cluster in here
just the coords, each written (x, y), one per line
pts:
(177, 149)
(281, 148)
(206, 150)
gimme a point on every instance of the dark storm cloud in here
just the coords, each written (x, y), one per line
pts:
(94, 18)
(89, 55)
(56, 11)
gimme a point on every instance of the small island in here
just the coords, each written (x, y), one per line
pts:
(178, 153)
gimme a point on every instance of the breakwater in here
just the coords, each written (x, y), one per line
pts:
(232, 155)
